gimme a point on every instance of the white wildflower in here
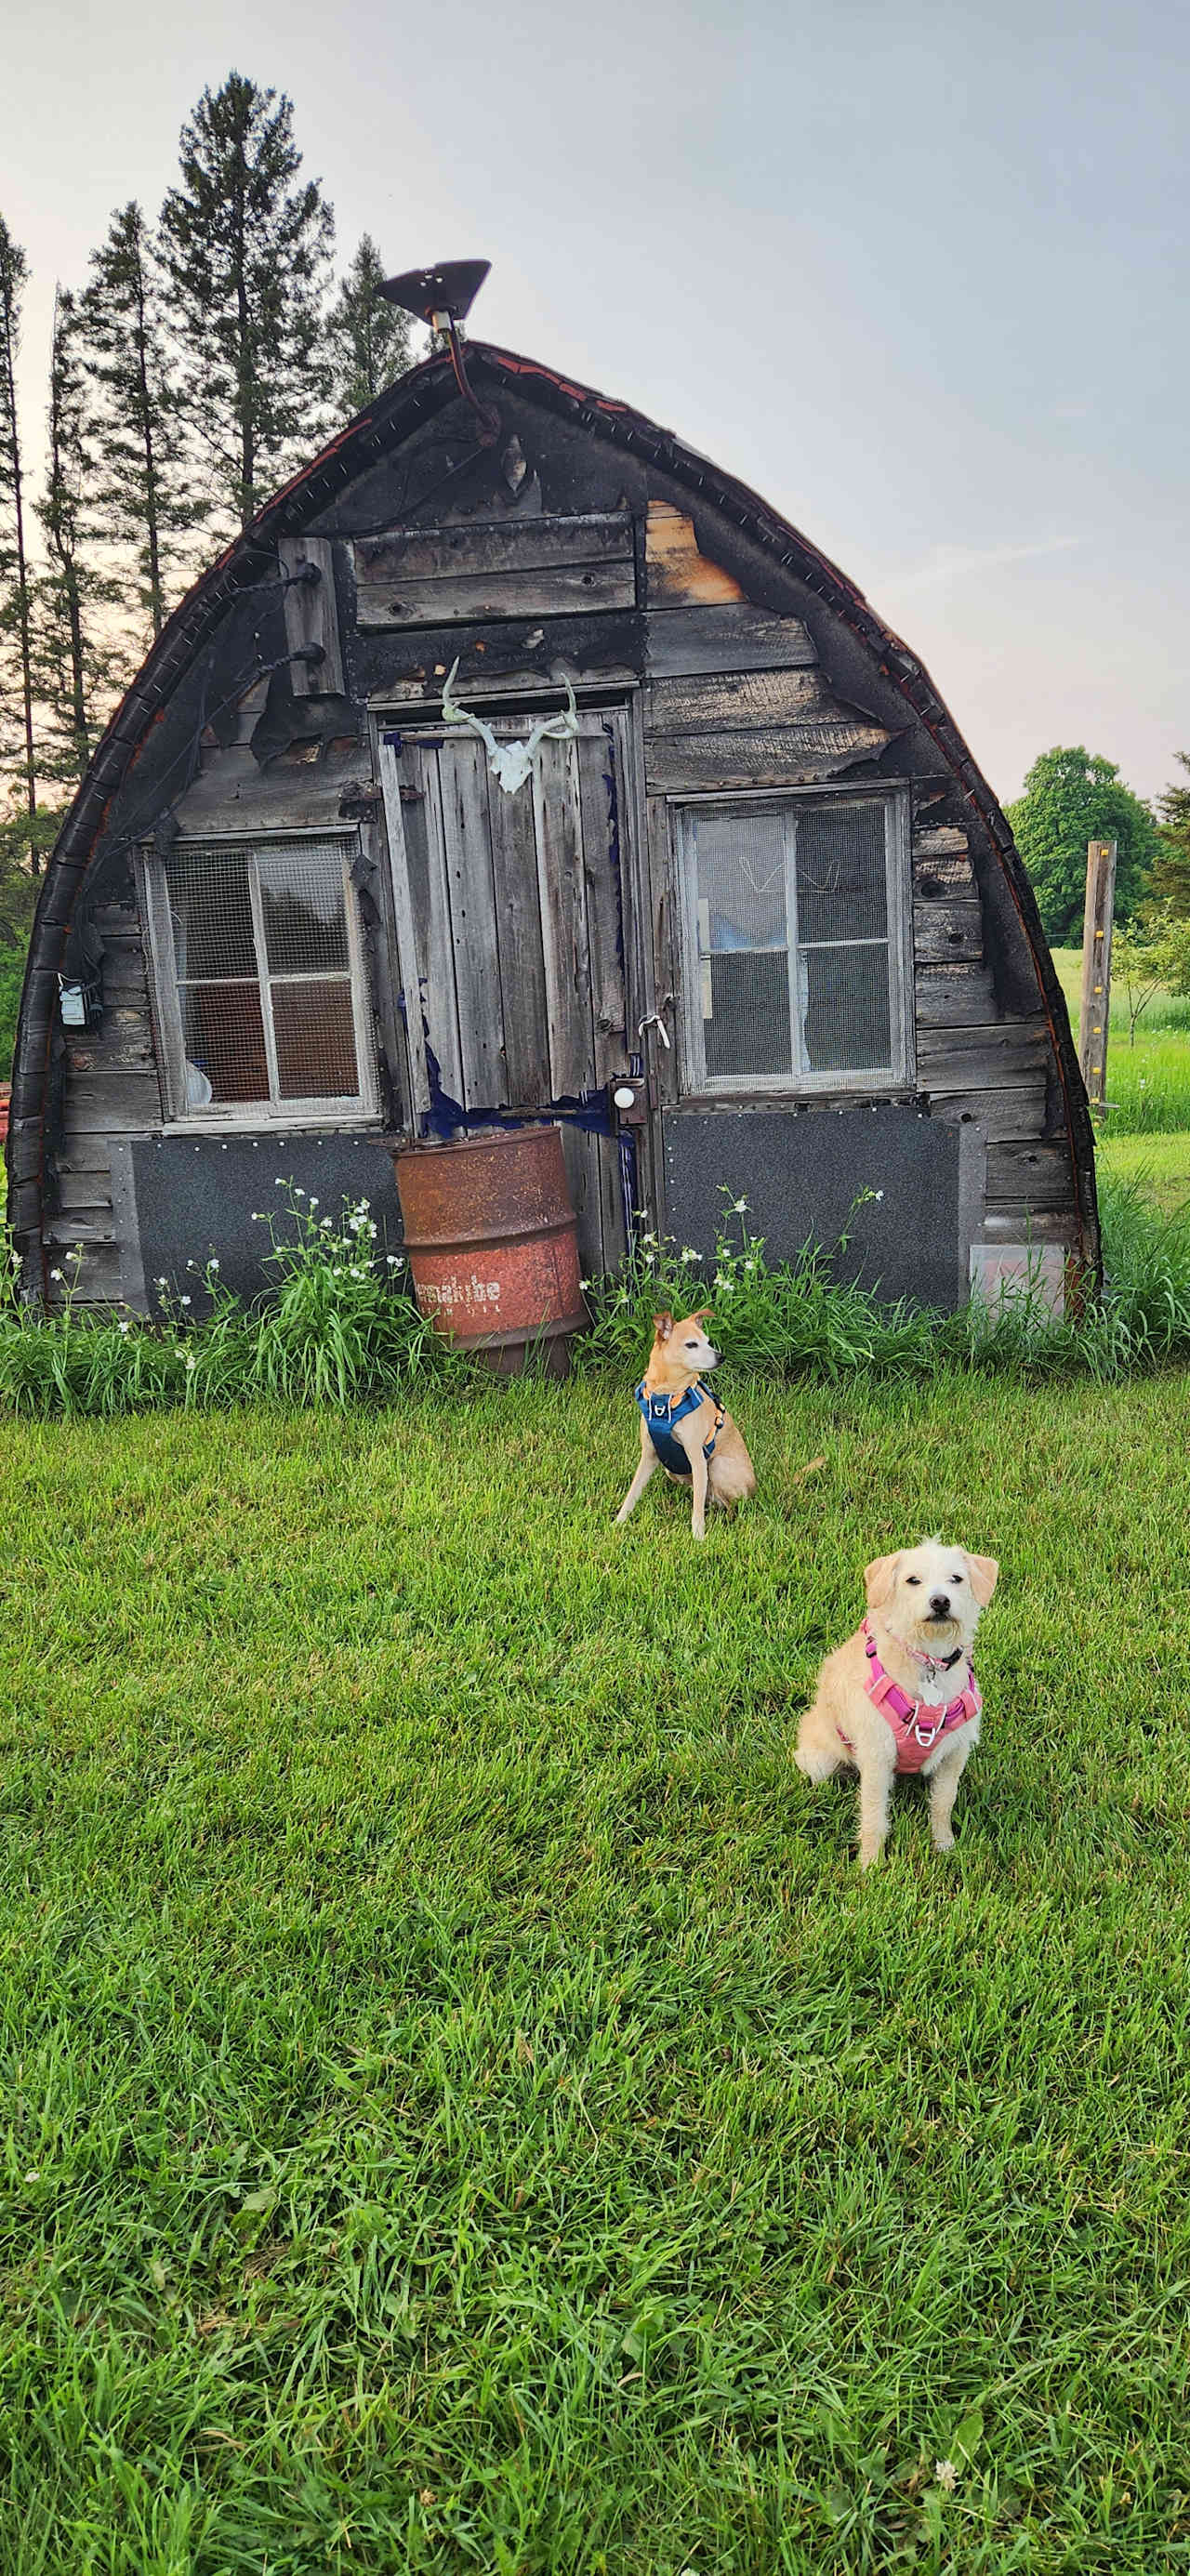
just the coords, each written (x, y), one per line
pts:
(125, 1328)
(740, 1206)
(877, 1194)
(183, 1301)
(191, 1362)
(313, 1203)
(946, 2473)
(279, 1183)
(163, 1282)
(326, 1225)
(749, 1265)
(55, 1274)
(688, 1253)
(212, 1263)
(353, 1273)
(583, 1283)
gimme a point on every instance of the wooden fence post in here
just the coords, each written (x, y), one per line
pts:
(1096, 993)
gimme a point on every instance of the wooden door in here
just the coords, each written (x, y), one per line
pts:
(511, 926)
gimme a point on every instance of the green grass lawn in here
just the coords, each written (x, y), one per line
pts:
(463, 2108)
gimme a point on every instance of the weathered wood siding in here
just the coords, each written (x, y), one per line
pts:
(556, 560)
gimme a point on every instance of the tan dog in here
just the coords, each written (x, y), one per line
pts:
(900, 1695)
(680, 1422)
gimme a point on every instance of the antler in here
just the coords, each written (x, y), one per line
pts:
(511, 762)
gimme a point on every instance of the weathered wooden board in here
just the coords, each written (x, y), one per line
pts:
(734, 636)
(1017, 1113)
(311, 617)
(518, 937)
(981, 1059)
(111, 1104)
(88, 1192)
(951, 996)
(505, 569)
(939, 841)
(945, 932)
(949, 878)
(748, 701)
(513, 658)
(556, 592)
(677, 573)
(778, 756)
(1036, 1176)
(468, 857)
(233, 794)
(565, 943)
(1018, 1221)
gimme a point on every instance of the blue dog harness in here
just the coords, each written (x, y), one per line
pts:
(661, 1412)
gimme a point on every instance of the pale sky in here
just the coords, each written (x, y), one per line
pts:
(918, 277)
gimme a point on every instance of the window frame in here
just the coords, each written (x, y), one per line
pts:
(800, 1082)
(316, 1109)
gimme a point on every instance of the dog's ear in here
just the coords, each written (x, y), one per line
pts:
(983, 1571)
(663, 1325)
(879, 1578)
(702, 1315)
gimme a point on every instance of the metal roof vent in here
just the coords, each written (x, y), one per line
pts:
(440, 296)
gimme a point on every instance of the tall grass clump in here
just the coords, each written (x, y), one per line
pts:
(343, 1328)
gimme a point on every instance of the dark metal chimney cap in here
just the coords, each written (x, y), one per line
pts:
(450, 289)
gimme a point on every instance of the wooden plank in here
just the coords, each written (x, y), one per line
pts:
(518, 941)
(513, 658)
(1005, 1116)
(939, 841)
(473, 546)
(89, 1192)
(1016, 1221)
(555, 591)
(463, 773)
(747, 701)
(677, 574)
(1095, 995)
(112, 1104)
(732, 637)
(945, 932)
(1036, 1176)
(947, 996)
(949, 878)
(781, 756)
(408, 957)
(424, 828)
(232, 794)
(99, 1281)
(562, 891)
(311, 616)
(84, 1152)
(982, 1059)
(601, 796)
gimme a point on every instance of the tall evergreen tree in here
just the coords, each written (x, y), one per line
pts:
(369, 340)
(247, 246)
(141, 494)
(16, 637)
(77, 658)
(1171, 867)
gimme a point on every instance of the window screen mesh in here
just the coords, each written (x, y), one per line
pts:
(264, 974)
(755, 870)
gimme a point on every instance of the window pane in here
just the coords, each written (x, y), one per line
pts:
(302, 897)
(315, 1034)
(748, 1027)
(740, 862)
(845, 1013)
(212, 913)
(841, 873)
(223, 1040)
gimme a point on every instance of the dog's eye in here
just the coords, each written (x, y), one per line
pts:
(913, 1578)
(692, 1346)
(956, 1578)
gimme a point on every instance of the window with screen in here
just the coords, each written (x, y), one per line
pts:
(796, 913)
(259, 982)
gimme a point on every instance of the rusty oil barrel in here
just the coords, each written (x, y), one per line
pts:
(492, 1241)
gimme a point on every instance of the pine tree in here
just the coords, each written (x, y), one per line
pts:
(77, 658)
(141, 493)
(1171, 867)
(16, 640)
(369, 340)
(247, 247)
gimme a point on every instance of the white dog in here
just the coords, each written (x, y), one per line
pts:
(901, 1695)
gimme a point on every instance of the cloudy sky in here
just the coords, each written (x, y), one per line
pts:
(917, 274)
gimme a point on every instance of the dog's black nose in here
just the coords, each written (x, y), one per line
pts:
(939, 1604)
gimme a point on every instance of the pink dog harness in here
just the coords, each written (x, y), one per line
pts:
(916, 1726)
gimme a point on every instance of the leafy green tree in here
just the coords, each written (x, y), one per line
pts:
(142, 495)
(1171, 868)
(247, 247)
(78, 663)
(1072, 797)
(370, 341)
(16, 605)
(1152, 956)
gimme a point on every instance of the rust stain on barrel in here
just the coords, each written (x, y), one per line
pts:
(492, 1241)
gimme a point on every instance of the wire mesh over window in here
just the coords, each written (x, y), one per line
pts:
(262, 957)
(789, 906)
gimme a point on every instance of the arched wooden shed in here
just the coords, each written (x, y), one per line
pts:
(755, 882)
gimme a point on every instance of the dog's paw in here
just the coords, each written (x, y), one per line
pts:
(944, 1842)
